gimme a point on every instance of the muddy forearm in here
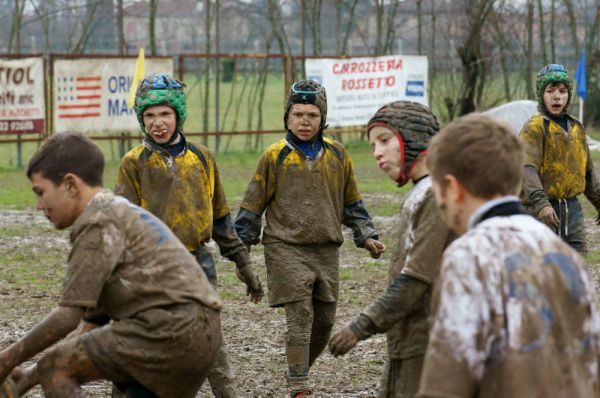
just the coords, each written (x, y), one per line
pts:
(55, 326)
(402, 297)
(230, 245)
(592, 188)
(534, 189)
(247, 226)
(357, 218)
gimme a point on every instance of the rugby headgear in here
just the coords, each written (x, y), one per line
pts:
(160, 89)
(413, 124)
(307, 92)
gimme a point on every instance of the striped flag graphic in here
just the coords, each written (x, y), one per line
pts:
(78, 97)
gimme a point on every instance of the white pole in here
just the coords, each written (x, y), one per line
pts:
(581, 109)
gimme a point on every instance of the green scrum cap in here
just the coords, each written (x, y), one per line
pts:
(552, 73)
(161, 89)
(307, 92)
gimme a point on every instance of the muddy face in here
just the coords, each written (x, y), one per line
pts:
(304, 121)
(386, 150)
(555, 98)
(160, 122)
(58, 205)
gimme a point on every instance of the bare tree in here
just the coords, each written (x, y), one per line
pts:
(86, 25)
(314, 21)
(476, 12)
(15, 31)
(120, 28)
(348, 27)
(529, 50)
(420, 26)
(572, 25)
(153, 8)
(207, 19)
(542, 31)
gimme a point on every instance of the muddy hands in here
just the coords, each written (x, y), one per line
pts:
(375, 247)
(254, 288)
(342, 341)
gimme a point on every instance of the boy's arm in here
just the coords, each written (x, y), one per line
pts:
(356, 217)
(532, 136)
(259, 192)
(592, 184)
(127, 183)
(55, 326)
(403, 296)
(406, 292)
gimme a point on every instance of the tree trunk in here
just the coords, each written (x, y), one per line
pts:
(572, 27)
(79, 47)
(470, 55)
(390, 34)
(552, 31)
(379, 5)
(542, 31)
(206, 70)
(420, 27)
(432, 59)
(348, 28)
(217, 73)
(153, 7)
(529, 51)
(121, 28)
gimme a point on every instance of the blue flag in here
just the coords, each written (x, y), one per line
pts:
(580, 77)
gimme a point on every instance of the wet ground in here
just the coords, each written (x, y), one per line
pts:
(32, 257)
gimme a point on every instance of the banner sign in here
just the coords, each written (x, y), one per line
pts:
(357, 87)
(90, 95)
(22, 104)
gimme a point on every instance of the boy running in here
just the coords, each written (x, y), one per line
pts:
(399, 134)
(305, 184)
(127, 272)
(515, 313)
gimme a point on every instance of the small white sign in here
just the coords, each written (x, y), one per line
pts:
(357, 87)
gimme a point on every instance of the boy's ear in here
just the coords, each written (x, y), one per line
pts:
(71, 182)
(455, 191)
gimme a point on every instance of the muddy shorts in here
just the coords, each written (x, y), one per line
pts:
(295, 272)
(571, 228)
(168, 350)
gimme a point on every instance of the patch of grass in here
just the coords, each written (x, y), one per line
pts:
(346, 274)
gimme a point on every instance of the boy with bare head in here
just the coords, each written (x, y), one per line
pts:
(399, 134)
(515, 313)
(148, 317)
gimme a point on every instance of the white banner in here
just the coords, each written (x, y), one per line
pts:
(22, 105)
(90, 95)
(357, 87)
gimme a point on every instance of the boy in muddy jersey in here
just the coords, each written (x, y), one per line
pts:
(305, 183)
(179, 182)
(515, 313)
(399, 133)
(126, 271)
(558, 165)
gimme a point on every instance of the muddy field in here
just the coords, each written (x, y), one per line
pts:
(32, 259)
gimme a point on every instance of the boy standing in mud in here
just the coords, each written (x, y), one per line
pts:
(178, 182)
(399, 134)
(305, 184)
(558, 165)
(148, 317)
(515, 313)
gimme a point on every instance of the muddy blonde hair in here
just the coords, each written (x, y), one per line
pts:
(484, 155)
